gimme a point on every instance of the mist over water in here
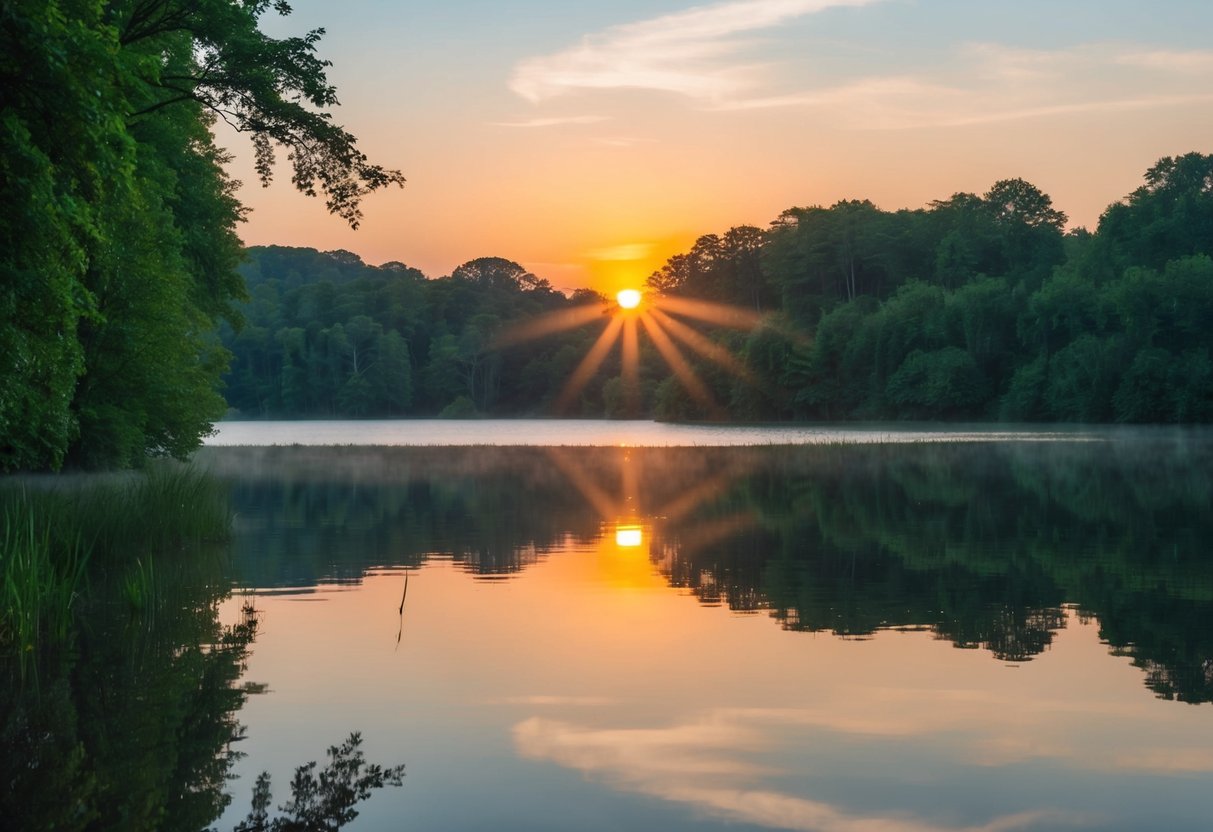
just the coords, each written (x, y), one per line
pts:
(641, 433)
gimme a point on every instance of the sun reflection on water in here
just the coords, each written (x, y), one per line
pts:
(629, 537)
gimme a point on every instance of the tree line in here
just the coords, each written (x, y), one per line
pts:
(974, 307)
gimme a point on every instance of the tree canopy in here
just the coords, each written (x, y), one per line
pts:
(118, 249)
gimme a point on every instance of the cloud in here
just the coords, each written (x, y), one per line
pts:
(691, 53)
(698, 764)
(993, 84)
(544, 700)
(553, 121)
(1194, 61)
(704, 53)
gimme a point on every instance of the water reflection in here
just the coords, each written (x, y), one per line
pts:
(133, 729)
(982, 544)
(703, 765)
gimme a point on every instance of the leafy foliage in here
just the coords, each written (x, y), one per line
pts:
(118, 250)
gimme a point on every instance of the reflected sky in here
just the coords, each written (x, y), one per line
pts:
(603, 686)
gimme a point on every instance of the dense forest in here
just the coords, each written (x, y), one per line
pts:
(118, 246)
(976, 307)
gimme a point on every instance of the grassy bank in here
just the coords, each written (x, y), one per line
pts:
(56, 532)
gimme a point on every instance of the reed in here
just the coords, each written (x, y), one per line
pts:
(43, 573)
(138, 585)
(50, 537)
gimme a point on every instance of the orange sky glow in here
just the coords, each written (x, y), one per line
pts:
(591, 145)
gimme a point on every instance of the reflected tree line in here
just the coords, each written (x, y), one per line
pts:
(984, 544)
(133, 727)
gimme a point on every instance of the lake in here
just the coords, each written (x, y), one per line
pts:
(597, 626)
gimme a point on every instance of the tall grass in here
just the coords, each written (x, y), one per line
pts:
(166, 507)
(52, 535)
(43, 574)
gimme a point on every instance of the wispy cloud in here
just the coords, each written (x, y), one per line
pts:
(1192, 61)
(547, 700)
(706, 54)
(691, 53)
(699, 764)
(992, 84)
(553, 121)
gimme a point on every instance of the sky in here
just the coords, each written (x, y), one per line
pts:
(589, 141)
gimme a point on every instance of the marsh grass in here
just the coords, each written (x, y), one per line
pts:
(138, 585)
(53, 536)
(43, 574)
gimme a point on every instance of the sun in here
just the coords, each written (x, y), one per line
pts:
(658, 315)
(628, 298)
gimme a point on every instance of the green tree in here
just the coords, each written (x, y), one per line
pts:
(119, 245)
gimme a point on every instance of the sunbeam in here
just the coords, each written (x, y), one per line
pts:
(691, 499)
(695, 387)
(655, 313)
(713, 531)
(606, 507)
(707, 348)
(550, 324)
(715, 313)
(631, 367)
(590, 364)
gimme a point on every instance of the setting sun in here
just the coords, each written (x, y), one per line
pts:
(628, 298)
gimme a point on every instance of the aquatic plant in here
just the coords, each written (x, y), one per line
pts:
(138, 585)
(50, 536)
(43, 573)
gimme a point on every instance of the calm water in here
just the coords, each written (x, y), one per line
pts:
(915, 637)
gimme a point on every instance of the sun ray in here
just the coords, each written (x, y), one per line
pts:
(704, 346)
(713, 531)
(715, 313)
(607, 508)
(692, 499)
(631, 367)
(674, 358)
(590, 364)
(550, 323)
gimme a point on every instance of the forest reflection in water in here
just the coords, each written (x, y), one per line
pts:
(985, 545)
(625, 634)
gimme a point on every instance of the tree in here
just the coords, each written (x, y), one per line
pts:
(274, 90)
(499, 273)
(1169, 217)
(119, 246)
